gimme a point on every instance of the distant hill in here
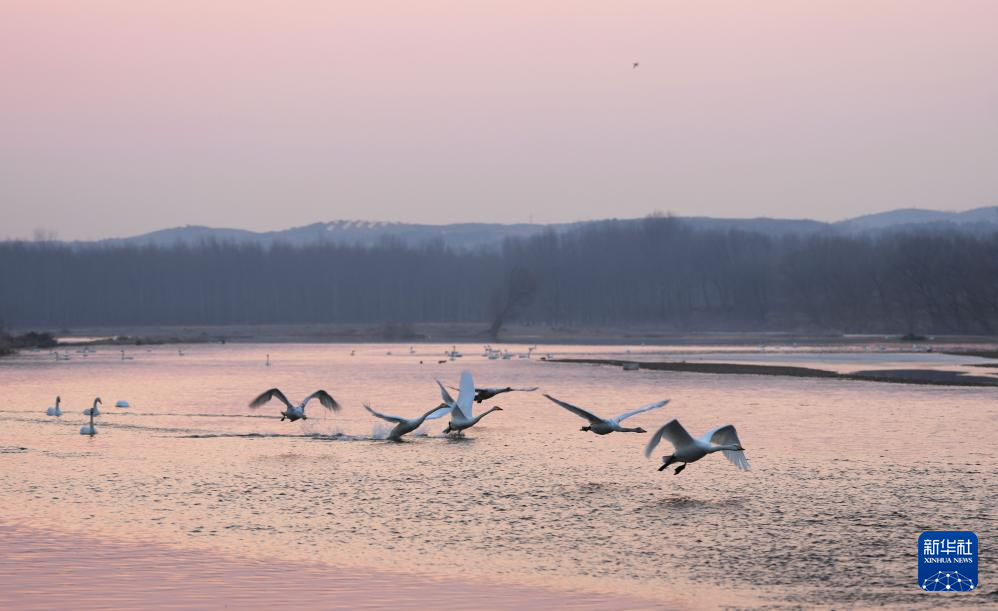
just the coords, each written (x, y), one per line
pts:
(491, 235)
(915, 217)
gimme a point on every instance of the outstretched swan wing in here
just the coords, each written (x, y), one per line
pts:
(578, 411)
(671, 431)
(467, 395)
(444, 395)
(395, 419)
(646, 408)
(437, 412)
(273, 393)
(327, 401)
(727, 435)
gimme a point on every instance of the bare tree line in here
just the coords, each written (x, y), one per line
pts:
(658, 272)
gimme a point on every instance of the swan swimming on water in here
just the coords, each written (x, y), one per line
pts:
(605, 426)
(687, 449)
(296, 412)
(408, 425)
(461, 417)
(90, 429)
(54, 410)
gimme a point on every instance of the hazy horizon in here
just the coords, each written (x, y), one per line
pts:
(131, 118)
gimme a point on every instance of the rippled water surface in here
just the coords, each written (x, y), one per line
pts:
(845, 474)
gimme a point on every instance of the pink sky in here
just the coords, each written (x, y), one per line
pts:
(121, 117)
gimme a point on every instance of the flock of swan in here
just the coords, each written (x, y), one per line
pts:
(686, 448)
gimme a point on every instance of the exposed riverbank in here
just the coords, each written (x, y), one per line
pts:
(897, 376)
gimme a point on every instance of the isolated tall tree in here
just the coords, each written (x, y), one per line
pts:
(518, 293)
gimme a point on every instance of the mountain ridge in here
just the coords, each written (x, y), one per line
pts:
(479, 235)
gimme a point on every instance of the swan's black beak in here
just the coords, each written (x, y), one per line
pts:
(497, 408)
(640, 430)
(741, 449)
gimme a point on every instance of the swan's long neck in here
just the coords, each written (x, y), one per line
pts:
(731, 447)
(630, 430)
(484, 414)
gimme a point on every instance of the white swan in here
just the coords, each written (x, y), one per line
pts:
(687, 449)
(90, 429)
(408, 425)
(461, 417)
(54, 410)
(605, 426)
(484, 394)
(296, 412)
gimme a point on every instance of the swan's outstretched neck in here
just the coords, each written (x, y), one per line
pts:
(484, 414)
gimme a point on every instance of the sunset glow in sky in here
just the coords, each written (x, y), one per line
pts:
(120, 117)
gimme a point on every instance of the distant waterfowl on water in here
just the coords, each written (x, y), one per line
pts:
(605, 426)
(687, 449)
(122, 403)
(55, 410)
(295, 412)
(91, 429)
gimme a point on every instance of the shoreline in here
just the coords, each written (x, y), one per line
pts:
(514, 333)
(932, 377)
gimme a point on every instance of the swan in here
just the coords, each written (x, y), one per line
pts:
(687, 449)
(408, 425)
(90, 429)
(55, 410)
(605, 426)
(126, 358)
(296, 412)
(484, 394)
(268, 360)
(460, 412)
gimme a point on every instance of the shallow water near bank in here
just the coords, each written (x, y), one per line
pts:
(845, 475)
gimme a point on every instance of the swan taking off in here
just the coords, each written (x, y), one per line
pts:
(687, 449)
(90, 429)
(460, 410)
(408, 425)
(296, 412)
(484, 394)
(605, 426)
(54, 410)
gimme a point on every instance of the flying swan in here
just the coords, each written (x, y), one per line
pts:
(408, 425)
(484, 394)
(460, 410)
(687, 449)
(296, 412)
(605, 426)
